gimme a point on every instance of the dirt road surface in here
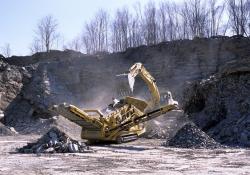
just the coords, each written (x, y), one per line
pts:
(139, 157)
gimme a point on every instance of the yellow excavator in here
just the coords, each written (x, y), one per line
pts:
(124, 120)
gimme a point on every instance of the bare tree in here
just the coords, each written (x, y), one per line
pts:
(150, 24)
(121, 30)
(215, 17)
(137, 26)
(89, 38)
(135, 32)
(36, 46)
(169, 27)
(184, 23)
(95, 33)
(239, 16)
(6, 50)
(163, 20)
(197, 15)
(46, 34)
(74, 44)
(248, 9)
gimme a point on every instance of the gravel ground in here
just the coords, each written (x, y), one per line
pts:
(144, 156)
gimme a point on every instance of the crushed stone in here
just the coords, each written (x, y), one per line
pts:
(5, 131)
(55, 141)
(190, 136)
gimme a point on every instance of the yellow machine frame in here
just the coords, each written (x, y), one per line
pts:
(125, 123)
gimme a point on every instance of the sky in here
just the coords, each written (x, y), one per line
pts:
(19, 18)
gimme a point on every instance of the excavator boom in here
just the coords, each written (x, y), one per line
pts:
(140, 70)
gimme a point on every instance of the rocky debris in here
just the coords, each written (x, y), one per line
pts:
(13, 107)
(22, 103)
(1, 115)
(13, 130)
(55, 141)
(6, 131)
(220, 105)
(190, 136)
(11, 78)
(1, 56)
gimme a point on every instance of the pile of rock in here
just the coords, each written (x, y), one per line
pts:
(55, 141)
(220, 105)
(5, 130)
(190, 136)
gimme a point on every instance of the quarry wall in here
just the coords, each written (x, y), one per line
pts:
(44, 79)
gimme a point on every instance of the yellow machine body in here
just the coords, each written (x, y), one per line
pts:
(124, 123)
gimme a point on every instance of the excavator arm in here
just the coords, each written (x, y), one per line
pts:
(140, 70)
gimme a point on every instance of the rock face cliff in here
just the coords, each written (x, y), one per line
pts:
(220, 105)
(173, 64)
(91, 81)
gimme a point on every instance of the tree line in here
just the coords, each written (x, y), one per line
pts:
(149, 24)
